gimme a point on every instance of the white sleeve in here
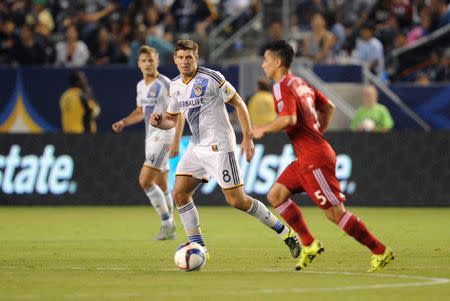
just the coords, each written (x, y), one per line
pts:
(174, 106)
(138, 96)
(226, 91)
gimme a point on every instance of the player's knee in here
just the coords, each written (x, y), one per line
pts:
(145, 183)
(334, 214)
(274, 198)
(181, 198)
(237, 202)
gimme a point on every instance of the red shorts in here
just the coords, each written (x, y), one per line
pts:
(320, 183)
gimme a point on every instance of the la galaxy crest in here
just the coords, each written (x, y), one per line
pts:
(199, 87)
(154, 90)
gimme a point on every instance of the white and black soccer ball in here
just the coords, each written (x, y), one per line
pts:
(190, 256)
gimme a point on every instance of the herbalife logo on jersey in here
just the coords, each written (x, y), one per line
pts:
(262, 171)
(42, 174)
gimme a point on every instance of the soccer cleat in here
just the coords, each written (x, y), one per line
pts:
(378, 262)
(166, 233)
(291, 240)
(308, 254)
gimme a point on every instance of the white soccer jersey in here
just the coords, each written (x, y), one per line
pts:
(154, 97)
(202, 101)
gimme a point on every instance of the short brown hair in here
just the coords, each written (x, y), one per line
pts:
(186, 45)
(148, 50)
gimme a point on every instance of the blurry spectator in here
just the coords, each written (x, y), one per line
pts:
(28, 51)
(157, 37)
(307, 8)
(319, 44)
(400, 40)
(260, 105)
(443, 13)
(71, 52)
(88, 15)
(356, 12)
(371, 116)
(9, 37)
(422, 79)
(78, 107)
(44, 19)
(402, 9)
(380, 12)
(105, 50)
(420, 30)
(338, 31)
(193, 16)
(138, 41)
(387, 33)
(275, 34)
(443, 70)
(369, 50)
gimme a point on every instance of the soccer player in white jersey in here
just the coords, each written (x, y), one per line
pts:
(200, 94)
(152, 96)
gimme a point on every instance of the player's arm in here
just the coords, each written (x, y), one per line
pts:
(279, 124)
(134, 117)
(247, 145)
(175, 146)
(164, 122)
(324, 114)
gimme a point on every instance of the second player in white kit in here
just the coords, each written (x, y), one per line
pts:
(152, 97)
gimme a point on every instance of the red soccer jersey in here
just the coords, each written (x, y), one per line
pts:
(293, 96)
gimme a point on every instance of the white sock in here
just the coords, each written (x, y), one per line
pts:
(169, 201)
(156, 197)
(191, 222)
(260, 211)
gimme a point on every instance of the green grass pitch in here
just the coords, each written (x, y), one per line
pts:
(107, 253)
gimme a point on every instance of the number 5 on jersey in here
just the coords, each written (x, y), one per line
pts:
(319, 196)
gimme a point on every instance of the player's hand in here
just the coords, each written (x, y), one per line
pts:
(155, 119)
(174, 149)
(118, 126)
(248, 148)
(258, 133)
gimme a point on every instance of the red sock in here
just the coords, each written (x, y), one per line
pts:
(354, 227)
(293, 216)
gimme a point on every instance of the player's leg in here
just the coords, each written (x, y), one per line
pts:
(237, 198)
(224, 168)
(182, 193)
(154, 193)
(330, 199)
(279, 197)
(161, 180)
(190, 173)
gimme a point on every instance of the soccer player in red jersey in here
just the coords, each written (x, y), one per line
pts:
(304, 112)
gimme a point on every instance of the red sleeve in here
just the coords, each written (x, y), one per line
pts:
(287, 105)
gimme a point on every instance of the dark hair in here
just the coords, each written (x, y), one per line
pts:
(186, 45)
(78, 79)
(283, 50)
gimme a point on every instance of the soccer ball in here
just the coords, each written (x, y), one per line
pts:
(190, 256)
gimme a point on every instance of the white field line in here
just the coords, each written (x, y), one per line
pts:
(421, 281)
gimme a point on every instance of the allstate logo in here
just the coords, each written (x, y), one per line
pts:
(44, 174)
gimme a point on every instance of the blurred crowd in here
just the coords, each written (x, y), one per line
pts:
(368, 31)
(80, 32)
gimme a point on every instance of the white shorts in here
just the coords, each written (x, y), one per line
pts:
(203, 163)
(157, 153)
